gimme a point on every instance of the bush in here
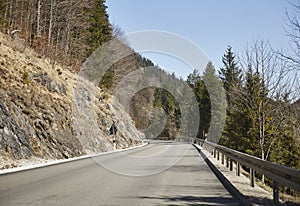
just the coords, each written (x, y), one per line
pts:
(105, 95)
(25, 77)
(107, 80)
(249, 152)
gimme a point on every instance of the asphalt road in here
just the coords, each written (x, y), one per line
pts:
(158, 174)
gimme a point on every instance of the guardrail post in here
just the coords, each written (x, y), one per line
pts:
(252, 176)
(227, 161)
(230, 164)
(238, 169)
(275, 193)
(218, 155)
(222, 158)
(214, 152)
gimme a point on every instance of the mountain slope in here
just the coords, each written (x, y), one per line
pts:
(37, 120)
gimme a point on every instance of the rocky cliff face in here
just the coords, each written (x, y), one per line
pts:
(37, 118)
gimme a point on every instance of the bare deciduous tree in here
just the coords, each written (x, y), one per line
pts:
(266, 83)
(292, 55)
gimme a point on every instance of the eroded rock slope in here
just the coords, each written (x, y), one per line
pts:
(37, 111)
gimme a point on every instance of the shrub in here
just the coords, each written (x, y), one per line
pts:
(249, 152)
(25, 77)
(105, 95)
(107, 80)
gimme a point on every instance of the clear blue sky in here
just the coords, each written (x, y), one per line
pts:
(211, 24)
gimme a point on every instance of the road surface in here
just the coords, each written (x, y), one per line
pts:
(136, 177)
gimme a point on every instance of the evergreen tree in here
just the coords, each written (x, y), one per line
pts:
(165, 100)
(231, 76)
(195, 81)
(251, 104)
(100, 30)
(258, 108)
(218, 102)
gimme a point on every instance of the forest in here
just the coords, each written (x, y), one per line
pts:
(67, 32)
(261, 86)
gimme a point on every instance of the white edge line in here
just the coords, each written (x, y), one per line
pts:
(55, 162)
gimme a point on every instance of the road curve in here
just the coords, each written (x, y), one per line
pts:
(119, 179)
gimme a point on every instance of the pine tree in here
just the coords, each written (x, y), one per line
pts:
(231, 76)
(251, 107)
(100, 30)
(165, 100)
(195, 81)
(258, 109)
(218, 102)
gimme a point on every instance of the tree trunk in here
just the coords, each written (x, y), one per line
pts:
(38, 26)
(50, 23)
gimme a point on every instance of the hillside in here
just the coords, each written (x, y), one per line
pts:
(37, 121)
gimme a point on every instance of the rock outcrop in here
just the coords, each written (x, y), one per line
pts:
(37, 111)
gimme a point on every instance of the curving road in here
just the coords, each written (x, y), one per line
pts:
(158, 174)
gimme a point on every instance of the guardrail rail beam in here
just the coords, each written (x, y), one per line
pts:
(280, 174)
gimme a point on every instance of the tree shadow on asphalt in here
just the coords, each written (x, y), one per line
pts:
(192, 200)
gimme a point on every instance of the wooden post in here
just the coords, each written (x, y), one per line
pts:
(218, 155)
(214, 152)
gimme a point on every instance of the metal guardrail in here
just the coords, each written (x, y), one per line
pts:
(278, 173)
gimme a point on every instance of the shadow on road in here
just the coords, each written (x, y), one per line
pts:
(192, 200)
